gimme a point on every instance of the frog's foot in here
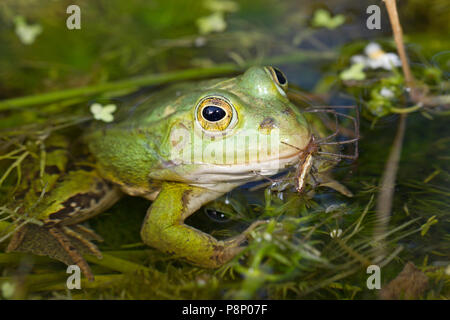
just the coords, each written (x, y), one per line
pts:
(231, 247)
(63, 243)
(62, 236)
(165, 230)
(84, 235)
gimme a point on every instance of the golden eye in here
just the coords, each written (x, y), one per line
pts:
(279, 77)
(214, 113)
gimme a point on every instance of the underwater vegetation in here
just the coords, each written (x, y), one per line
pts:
(318, 243)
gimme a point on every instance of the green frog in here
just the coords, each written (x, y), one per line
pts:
(181, 148)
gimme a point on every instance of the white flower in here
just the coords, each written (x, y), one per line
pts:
(26, 33)
(373, 49)
(375, 58)
(336, 233)
(103, 113)
(387, 93)
(358, 59)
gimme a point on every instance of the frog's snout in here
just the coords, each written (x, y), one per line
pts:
(267, 82)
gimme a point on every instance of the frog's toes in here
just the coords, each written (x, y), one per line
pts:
(63, 243)
(77, 233)
(223, 254)
(241, 238)
(228, 249)
(86, 232)
(62, 236)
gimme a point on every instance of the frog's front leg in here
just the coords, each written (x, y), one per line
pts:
(165, 230)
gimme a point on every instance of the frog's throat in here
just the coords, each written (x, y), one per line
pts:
(210, 174)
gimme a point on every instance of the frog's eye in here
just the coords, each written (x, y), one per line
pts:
(278, 77)
(214, 113)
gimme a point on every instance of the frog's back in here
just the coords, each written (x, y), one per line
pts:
(154, 108)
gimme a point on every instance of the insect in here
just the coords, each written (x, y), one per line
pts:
(312, 152)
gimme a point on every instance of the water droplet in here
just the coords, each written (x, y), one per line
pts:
(217, 216)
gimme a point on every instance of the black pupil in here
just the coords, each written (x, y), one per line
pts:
(213, 113)
(280, 76)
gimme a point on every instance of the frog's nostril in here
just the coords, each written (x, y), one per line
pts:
(267, 124)
(288, 112)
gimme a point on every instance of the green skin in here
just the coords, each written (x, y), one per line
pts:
(141, 154)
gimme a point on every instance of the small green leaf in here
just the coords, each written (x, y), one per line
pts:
(322, 18)
(27, 33)
(103, 113)
(355, 72)
(212, 23)
(432, 220)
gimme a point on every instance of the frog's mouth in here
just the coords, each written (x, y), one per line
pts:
(212, 174)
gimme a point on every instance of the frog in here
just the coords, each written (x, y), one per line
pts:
(181, 148)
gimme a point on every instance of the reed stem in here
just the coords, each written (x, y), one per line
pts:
(158, 79)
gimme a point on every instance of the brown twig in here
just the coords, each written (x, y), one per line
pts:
(391, 7)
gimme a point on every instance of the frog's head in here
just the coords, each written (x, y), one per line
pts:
(236, 130)
(211, 132)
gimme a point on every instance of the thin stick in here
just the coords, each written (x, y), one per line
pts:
(398, 38)
(418, 96)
